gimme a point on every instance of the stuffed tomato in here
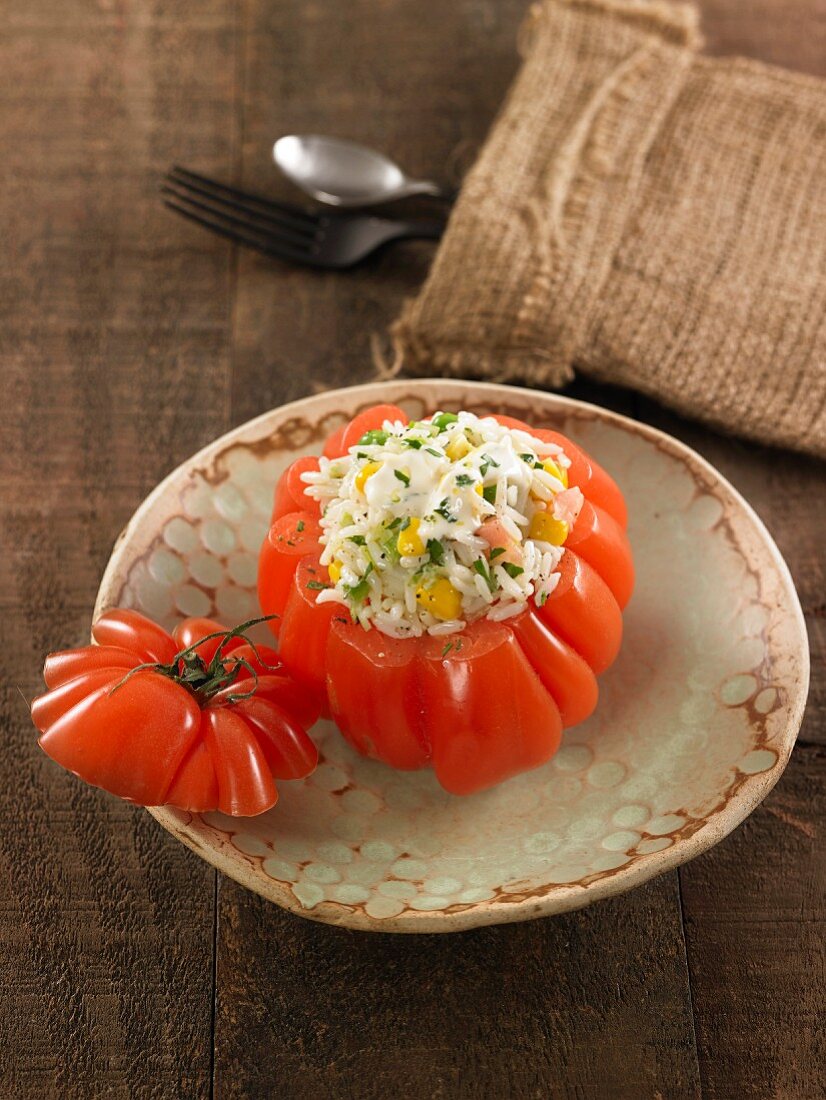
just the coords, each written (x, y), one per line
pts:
(450, 588)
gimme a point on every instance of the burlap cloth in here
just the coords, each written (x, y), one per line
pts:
(656, 217)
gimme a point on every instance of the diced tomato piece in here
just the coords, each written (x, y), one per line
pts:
(374, 694)
(586, 473)
(485, 708)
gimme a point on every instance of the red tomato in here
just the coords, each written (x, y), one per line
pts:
(290, 495)
(598, 539)
(374, 693)
(597, 485)
(333, 447)
(487, 713)
(367, 421)
(153, 737)
(306, 625)
(481, 705)
(290, 539)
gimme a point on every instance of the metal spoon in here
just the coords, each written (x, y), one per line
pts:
(343, 173)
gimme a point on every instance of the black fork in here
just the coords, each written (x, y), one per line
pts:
(287, 232)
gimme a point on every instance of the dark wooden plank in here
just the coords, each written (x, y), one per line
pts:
(755, 906)
(755, 911)
(782, 32)
(582, 1005)
(114, 355)
(422, 82)
(595, 1003)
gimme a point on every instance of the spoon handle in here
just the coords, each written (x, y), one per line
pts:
(419, 230)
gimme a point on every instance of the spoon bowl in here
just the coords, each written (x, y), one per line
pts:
(343, 173)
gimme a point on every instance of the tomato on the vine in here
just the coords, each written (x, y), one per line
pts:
(201, 719)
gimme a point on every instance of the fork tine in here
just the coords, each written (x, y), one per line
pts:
(268, 245)
(293, 216)
(239, 215)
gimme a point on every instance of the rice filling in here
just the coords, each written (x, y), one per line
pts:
(429, 525)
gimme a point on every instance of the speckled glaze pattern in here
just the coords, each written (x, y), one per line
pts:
(695, 723)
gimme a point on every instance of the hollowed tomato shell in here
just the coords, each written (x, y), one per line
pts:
(477, 707)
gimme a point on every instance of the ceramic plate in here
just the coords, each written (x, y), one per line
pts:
(695, 723)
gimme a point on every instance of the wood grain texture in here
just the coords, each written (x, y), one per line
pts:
(755, 905)
(114, 353)
(127, 340)
(591, 1004)
(586, 1004)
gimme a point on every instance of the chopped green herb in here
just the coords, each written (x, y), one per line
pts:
(496, 551)
(447, 649)
(416, 444)
(359, 540)
(528, 458)
(464, 479)
(376, 437)
(443, 420)
(357, 592)
(436, 551)
(405, 523)
(511, 569)
(480, 566)
(489, 493)
(444, 511)
(394, 523)
(300, 526)
(403, 477)
(491, 461)
(433, 451)
(361, 454)
(538, 465)
(317, 586)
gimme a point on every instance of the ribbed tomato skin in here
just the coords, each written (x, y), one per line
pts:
(494, 704)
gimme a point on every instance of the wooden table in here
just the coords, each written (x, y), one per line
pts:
(129, 339)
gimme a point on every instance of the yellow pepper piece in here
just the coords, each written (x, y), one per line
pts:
(559, 472)
(479, 490)
(334, 570)
(457, 448)
(441, 599)
(547, 529)
(366, 472)
(409, 543)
